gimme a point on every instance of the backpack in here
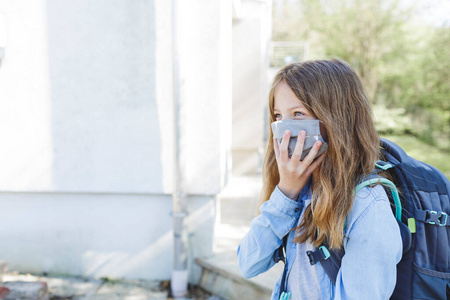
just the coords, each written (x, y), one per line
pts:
(422, 214)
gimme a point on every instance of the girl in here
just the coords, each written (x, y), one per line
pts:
(312, 201)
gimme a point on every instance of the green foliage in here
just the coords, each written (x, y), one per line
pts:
(367, 34)
(107, 279)
(422, 76)
(436, 71)
(430, 126)
(403, 63)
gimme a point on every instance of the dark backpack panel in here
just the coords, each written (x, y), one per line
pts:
(423, 272)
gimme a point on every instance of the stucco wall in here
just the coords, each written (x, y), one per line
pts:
(78, 97)
(251, 34)
(86, 124)
(120, 236)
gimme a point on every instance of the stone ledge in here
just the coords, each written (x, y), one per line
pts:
(232, 275)
(221, 276)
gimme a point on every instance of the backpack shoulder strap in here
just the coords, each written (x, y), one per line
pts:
(329, 259)
(280, 254)
(377, 179)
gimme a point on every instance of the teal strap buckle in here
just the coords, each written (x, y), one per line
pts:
(325, 252)
(383, 165)
(432, 212)
(285, 296)
(444, 221)
(436, 218)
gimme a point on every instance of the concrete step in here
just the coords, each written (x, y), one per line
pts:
(221, 276)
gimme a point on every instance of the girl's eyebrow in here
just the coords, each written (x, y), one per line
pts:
(291, 108)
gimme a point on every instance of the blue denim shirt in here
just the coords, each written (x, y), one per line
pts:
(372, 250)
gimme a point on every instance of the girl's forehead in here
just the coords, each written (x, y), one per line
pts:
(285, 98)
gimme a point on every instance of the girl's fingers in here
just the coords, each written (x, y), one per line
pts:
(284, 155)
(316, 163)
(298, 150)
(312, 154)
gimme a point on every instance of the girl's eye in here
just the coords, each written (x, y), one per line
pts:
(277, 116)
(298, 114)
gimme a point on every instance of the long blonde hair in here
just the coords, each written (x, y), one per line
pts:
(333, 93)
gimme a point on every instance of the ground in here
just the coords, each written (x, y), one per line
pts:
(77, 288)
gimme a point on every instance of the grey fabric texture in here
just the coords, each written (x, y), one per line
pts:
(312, 128)
(303, 281)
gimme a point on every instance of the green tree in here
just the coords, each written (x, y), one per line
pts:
(368, 34)
(402, 62)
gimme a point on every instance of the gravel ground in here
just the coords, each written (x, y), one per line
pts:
(77, 288)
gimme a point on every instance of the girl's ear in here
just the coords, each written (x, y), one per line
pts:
(323, 132)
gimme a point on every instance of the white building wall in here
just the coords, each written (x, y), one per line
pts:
(86, 130)
(251, 35)
(205, 90)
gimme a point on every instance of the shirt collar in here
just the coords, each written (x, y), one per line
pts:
(306, 191)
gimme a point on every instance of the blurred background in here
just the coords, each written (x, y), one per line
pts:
(400, 49)
(132, 132)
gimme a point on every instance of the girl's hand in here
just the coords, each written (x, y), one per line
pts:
(294, 174)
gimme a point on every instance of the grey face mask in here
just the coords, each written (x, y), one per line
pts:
(312, 128)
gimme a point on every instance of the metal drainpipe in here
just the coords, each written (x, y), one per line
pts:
(179, 280)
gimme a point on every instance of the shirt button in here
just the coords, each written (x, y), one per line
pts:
(296, 210)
